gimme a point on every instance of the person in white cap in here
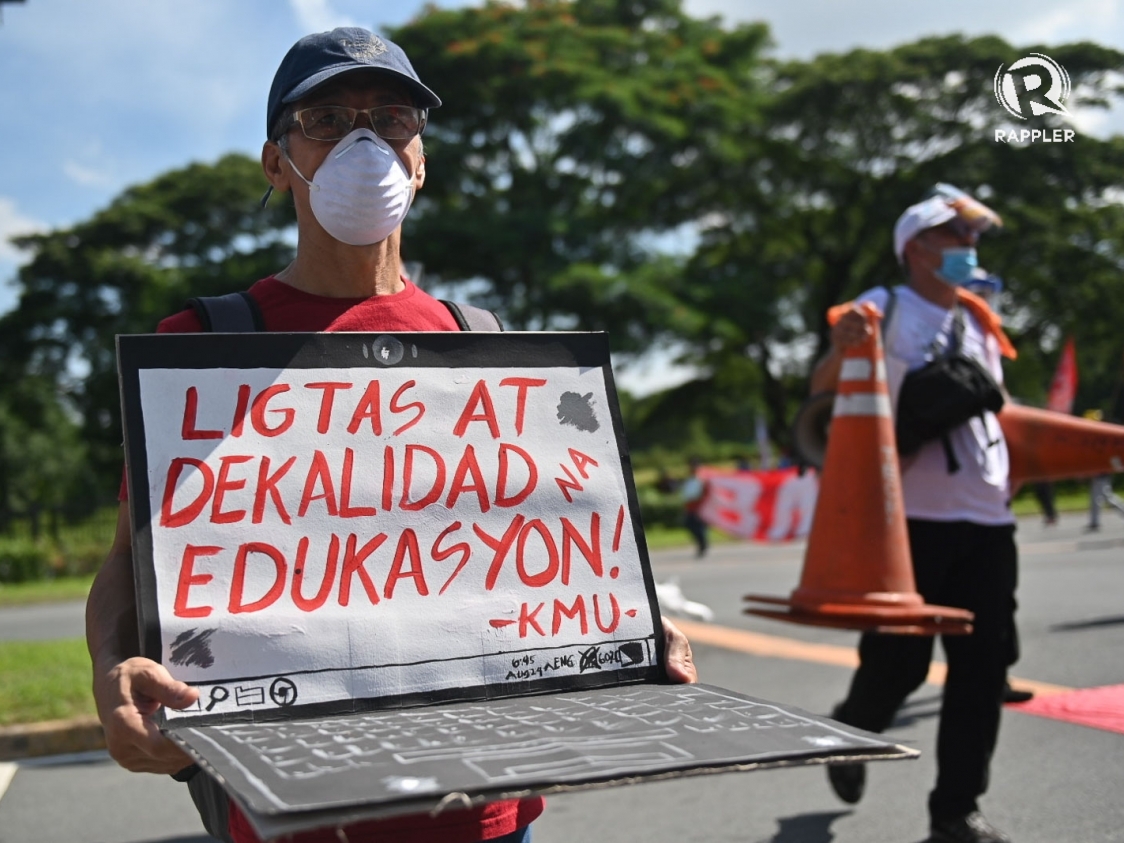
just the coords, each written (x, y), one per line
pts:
(957, 501)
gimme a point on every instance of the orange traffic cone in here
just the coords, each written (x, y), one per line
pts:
(1046, 445)
(857, 568)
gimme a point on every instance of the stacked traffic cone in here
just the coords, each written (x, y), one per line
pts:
(858, 573)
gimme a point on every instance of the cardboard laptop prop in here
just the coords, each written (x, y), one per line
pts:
(407, 571)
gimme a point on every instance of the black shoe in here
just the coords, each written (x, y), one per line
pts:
(848, 781)
(1012, 695)
(970, 829)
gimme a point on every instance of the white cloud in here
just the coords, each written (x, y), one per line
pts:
(803, 28)
(87, 176)
(13, 224)
(652, 372)
(318, 15)
(1076, 21)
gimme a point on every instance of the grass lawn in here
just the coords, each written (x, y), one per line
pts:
(45, 591)
(44, 680)
(1065, 500)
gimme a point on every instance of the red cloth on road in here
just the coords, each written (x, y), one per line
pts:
(1098, 708)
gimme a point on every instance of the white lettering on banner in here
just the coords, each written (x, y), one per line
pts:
(855, 369)
(775, 505)
(795, 505)
(862, 404)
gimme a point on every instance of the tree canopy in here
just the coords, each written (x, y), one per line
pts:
(573, 137)
(194, 231)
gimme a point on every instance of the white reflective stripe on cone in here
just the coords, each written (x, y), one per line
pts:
(862, 404)
(855, 369)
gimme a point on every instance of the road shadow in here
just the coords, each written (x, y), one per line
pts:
(917, 709)
(806, 828)
(1092, 623)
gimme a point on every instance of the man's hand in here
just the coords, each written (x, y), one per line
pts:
(127, 695)
(678, 661)
(851, 330)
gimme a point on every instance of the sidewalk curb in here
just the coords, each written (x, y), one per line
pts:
(51, 737)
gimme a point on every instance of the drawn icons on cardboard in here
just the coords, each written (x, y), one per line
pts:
(283, 692)
(247, 696)
(195, 706)
(219, 694)
(387, 350)
(626, 655)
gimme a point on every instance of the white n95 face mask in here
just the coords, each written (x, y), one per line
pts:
(361, 192)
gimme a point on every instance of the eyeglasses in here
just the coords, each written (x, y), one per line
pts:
(962, 229)
(332, 122)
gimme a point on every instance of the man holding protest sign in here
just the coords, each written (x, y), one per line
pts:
(344, 121)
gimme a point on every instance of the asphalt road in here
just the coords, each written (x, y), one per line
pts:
(43, 622)
(1052, 782)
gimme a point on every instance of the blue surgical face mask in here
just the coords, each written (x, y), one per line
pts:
(957, 264)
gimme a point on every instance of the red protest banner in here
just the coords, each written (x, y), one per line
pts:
(1063, 387)
(774, 505)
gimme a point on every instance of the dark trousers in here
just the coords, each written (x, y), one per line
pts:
(968, 566)
(698, 529)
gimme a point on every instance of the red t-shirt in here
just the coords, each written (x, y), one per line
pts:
(286, 308)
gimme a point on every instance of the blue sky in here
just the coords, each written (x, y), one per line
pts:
(101, 94)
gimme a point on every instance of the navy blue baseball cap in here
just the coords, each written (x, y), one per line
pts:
(315, 59)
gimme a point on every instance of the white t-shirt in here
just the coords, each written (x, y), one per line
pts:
(979, 491)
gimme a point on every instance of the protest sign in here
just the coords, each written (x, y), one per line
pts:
(403, 566)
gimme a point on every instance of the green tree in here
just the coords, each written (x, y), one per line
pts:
(619, 165)
(575, 139)
(193, 231)
(852, 140)
(42, 455)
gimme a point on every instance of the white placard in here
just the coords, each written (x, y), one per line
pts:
(345, 533)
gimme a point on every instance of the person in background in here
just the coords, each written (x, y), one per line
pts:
(1100, 489)
(694, 491)
(1044, 494)
(961, 528)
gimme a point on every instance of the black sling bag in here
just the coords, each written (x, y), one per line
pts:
(942, 395)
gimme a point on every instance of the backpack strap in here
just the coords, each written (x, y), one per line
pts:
(951, 463)
(956, 338)
(471, 318)
(888, 311)
(234, 313)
